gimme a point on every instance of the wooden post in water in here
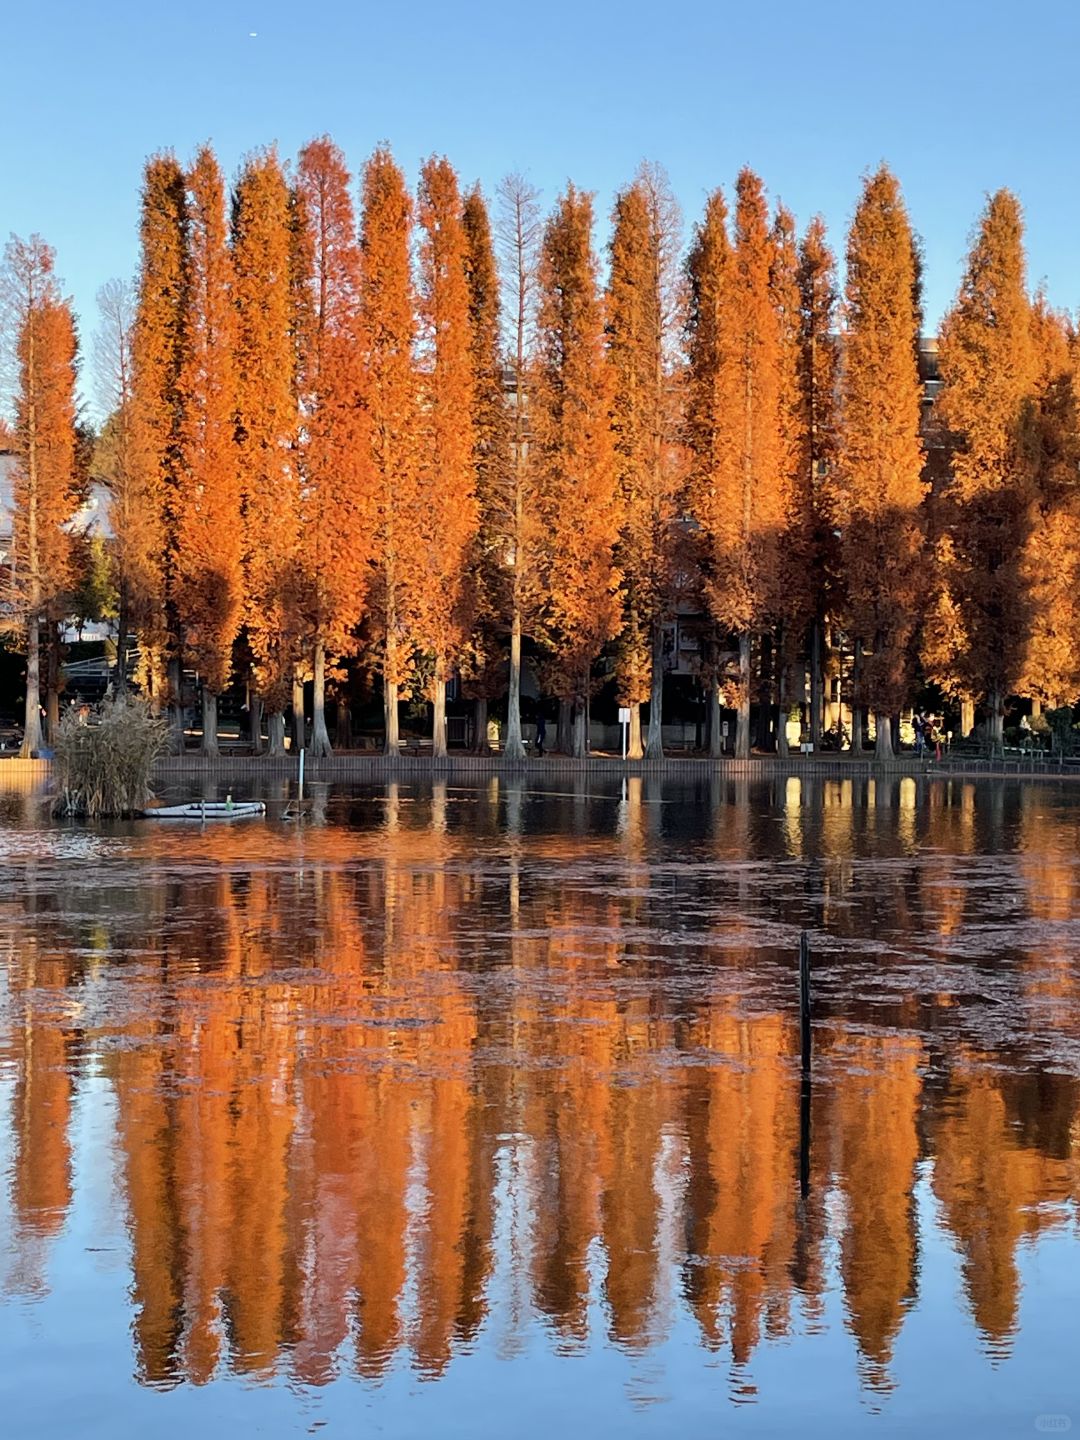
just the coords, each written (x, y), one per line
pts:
(804, 998)
(804, 1089)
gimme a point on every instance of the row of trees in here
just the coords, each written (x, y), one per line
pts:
(333, 437)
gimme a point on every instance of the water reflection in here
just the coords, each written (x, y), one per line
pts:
(445, 1063)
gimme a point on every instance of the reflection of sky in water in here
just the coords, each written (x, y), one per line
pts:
(474, 1108)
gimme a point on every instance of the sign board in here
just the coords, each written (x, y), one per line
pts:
(624, 715)
(724, 728)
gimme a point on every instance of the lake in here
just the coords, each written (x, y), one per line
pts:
(477, 1110)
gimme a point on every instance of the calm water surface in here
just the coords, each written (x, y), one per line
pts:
(476, 1111)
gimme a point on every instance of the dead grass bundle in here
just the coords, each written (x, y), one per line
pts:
(104, 768)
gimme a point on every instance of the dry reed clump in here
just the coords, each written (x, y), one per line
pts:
(104, 768)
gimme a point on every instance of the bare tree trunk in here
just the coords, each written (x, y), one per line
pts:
(1036, 707)
(298, 723)
(858, 711)
(715, 729)
(883, 746)
(392, 732)
(742, 729)
(654, 740)
(634, 748)
(513, 747)
(342, 726)
(176, 704)
(31, 743)
(52, 681)
(781, 704)
(120, 683)
(255, 717)
(320, 738)
(438, 719)
(817, 684)
(209, 723)
(580, 748)
(563, 736)
(480, 724)
(997, 720)
(275, 734)
(967, 717)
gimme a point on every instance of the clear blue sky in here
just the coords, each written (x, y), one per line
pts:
(959, 97)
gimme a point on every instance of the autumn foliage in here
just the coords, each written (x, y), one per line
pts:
(409, 452)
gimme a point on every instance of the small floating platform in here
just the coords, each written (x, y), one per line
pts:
(201, 810)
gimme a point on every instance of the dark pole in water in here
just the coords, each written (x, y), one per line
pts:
(804, 997)
(804, 1089)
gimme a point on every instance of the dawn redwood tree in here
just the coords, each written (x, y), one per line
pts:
(267, 426)
(490, 599)
(45, 490)
(387, 339)
(448, 518)
(816, 460)
(114, 461)
(519, 235)
(1051, 561)
(157, 348)
(879, 490)
(572, 452)
(988, 368)
(209, 537)
(642, 311)
(336, 502)
(740, 463)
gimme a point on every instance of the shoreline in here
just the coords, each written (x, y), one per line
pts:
(360, 766)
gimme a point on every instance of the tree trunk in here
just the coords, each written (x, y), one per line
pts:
(343, 726)
(765, 708)
(563, 739)
(275, 734)
(480, 724)
(32, 721)
(176, 704)
(713, 725)
(967, 718)
(52, 682)
(438, 720)
(209, 723)
(298, 724)
(255, 717)
(742, 729)
(781, 707)
(858, 714)
(120, 683)
(654, 740)
(580, 747)
(513, 748)
(997, 720)
(392, 732)
(634, 747)
(320, 738)
(883, 746)
(1036, 707)
(817, 684)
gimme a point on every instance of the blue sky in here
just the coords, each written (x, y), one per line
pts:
(959, 98)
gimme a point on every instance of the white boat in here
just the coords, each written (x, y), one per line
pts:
(201, 810)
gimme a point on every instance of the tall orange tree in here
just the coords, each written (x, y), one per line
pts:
(448, 518)
(387, 340)
(336, 516)
(45, 491)
(740, 478)
(209, 538)
(267, 428)
(818, 370)
(1051, 563)
(642, 311)
(571, 449)
(979, 629)
(157, 348)
(490, 599)
(879, 490)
